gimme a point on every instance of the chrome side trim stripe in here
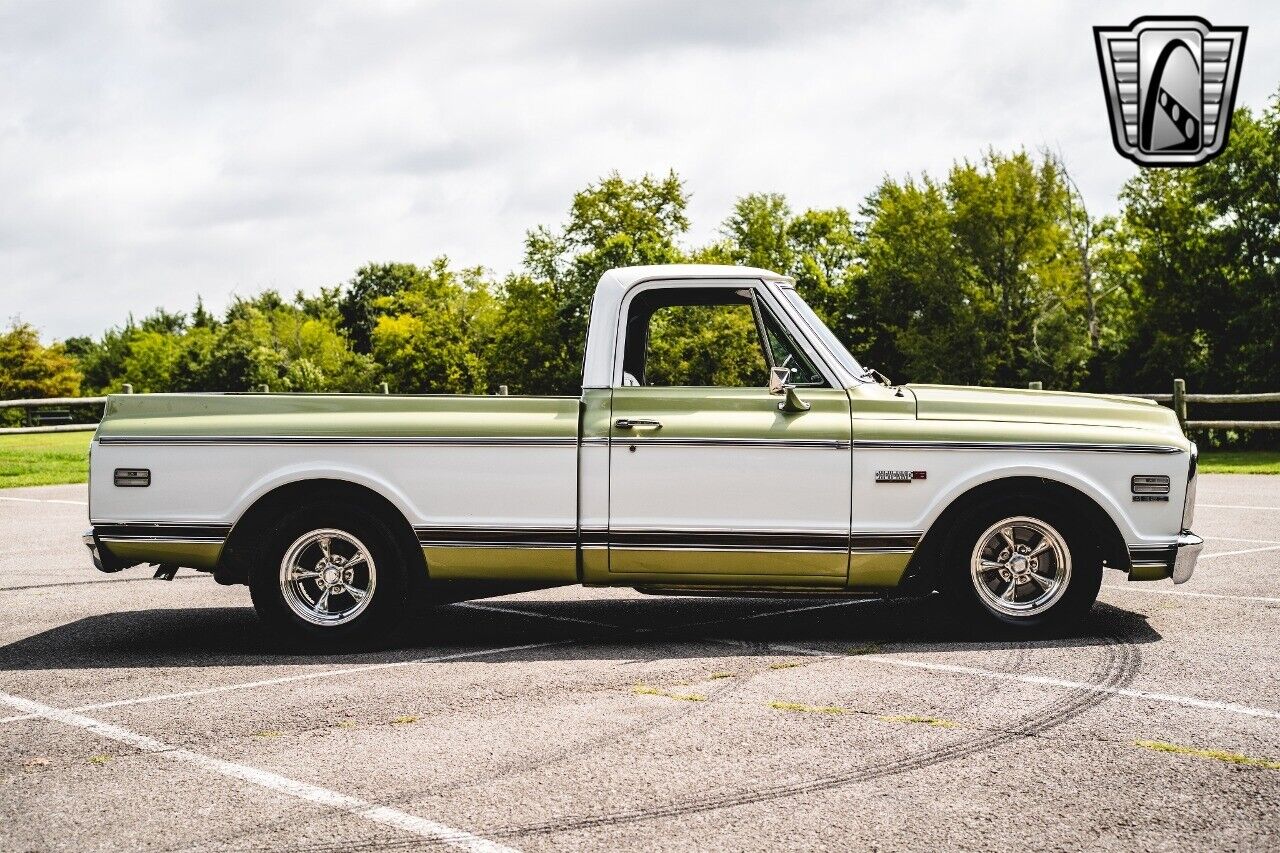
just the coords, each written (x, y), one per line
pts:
(313, 440)
(878, 543)
(167, 540)
(485, 537)
(781, 443)
(670, 540)
(544, 441)
(162, 532)
(688, 540)
(1013, 445)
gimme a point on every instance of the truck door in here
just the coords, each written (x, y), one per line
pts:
(711, 479)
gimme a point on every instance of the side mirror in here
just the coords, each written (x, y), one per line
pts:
(780, 384)
(779, 379)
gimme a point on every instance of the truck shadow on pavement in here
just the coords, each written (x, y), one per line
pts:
(572, 629)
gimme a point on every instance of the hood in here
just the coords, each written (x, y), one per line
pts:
(1013, 405)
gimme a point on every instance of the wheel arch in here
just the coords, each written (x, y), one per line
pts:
(922, 570)
(233, 564)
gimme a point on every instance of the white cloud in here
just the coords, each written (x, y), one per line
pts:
(150, 152)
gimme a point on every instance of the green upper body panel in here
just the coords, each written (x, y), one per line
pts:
(744, 413)
(321, 415)
(913, 413)
(958, 403)
(969, 414)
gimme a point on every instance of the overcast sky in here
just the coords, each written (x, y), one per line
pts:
(150, 152)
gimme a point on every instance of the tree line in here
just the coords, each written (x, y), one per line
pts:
(994, 274)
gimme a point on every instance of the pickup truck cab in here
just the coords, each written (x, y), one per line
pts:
(670, 473)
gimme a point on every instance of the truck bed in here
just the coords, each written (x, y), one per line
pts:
(461, 469)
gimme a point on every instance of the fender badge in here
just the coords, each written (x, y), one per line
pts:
(900, 476)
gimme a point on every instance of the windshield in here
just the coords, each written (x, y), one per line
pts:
(825, 335)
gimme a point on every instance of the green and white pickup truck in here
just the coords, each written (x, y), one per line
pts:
(816, 478)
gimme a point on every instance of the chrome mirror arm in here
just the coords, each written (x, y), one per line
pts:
(780, 384)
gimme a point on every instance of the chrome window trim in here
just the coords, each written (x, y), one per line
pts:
(758, 285)
(797, 320)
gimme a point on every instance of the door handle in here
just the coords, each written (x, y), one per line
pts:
(632, 423)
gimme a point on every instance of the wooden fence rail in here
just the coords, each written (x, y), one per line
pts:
(1179, 399)
(47, 402)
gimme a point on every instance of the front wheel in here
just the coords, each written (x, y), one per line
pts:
(1024, 563)
(329, 577)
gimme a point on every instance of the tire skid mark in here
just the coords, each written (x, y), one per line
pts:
(575, 750)
(642, 727)
(1118, 667)
(518, 766)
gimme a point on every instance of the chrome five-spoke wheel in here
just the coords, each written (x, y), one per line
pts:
(327, 577)
(1020, 566)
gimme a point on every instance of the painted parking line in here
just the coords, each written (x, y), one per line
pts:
(1220, 595)
(44, 501)
(1041, 680)
(331, 673)
(403, 821)
(289, 679)
(1235, 506)
(498, 608)
(1242, 551)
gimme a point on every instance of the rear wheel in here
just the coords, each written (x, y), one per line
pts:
(329, 576)
(1022, 562)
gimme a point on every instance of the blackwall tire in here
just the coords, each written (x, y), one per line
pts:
(1023, 564)
(329, 577)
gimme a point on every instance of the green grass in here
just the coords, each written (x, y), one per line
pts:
(44, 458)
(1240, 462)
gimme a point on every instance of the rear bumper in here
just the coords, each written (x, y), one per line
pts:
(1157, 562)
(103, 559)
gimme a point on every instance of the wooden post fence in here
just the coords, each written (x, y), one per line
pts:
(1180, 397)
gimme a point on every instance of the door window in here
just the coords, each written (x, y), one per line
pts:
(721, 337)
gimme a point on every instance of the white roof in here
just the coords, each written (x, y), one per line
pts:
(622, 278)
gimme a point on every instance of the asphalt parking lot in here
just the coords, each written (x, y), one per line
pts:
(140, 714)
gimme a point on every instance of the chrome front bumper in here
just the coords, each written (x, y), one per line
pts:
(1185, 556)
(1157, 562)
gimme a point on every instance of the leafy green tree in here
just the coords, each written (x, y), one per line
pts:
(543, 323)
(758, 232)
(1008, 224)
(267, 341)
(151, 361)
(914, 309)
(1206, 246)
(705, 345)
(434, 333)
(826, 266)
(358, 303)
(30, 369)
